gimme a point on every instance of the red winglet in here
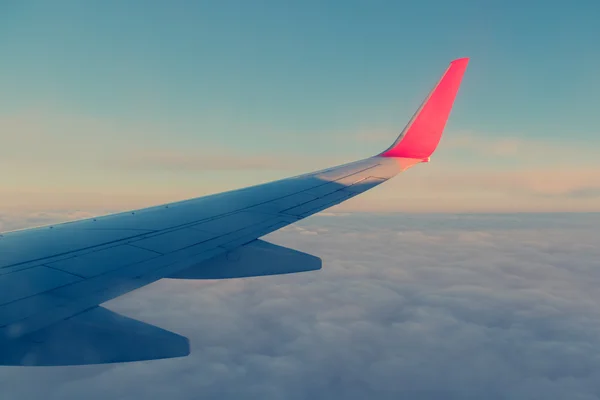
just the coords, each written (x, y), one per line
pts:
(421, 136)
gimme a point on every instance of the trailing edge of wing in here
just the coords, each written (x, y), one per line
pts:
(422, 134)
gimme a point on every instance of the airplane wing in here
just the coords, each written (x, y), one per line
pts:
(54, 278)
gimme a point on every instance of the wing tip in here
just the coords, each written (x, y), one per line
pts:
(462, 60)
(421, 136)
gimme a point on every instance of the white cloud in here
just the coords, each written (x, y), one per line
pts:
(423, 307)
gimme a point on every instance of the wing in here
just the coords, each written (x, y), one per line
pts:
(53, 278)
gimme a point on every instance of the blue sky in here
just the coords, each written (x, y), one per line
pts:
(127, 100)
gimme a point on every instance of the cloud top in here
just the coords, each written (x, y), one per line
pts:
(426, 307)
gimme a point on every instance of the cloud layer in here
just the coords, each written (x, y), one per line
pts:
(422, 307)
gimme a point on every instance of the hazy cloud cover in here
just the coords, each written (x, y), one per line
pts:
(406, 306)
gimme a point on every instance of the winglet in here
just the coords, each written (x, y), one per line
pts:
(421, 136)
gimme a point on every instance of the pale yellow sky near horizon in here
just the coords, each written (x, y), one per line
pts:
(46, 165)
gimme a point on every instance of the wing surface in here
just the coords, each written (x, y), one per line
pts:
(56, 275)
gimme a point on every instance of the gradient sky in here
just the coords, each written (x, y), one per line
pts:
(108, 105)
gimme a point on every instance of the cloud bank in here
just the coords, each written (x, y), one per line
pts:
(406, 306)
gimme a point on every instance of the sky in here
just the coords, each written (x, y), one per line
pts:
(426, 307)
(113, 105)
(468, 277)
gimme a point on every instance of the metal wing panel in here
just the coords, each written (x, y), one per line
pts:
(39, 243)
(231, 223)
(365, 184)
(32, 281)
(95, 336)
(21, 309)
(285, 202)
(172, 241)
(99, 262)
(320, 203)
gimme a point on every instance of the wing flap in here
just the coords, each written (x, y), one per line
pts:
(96, 336)
(257, 258)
